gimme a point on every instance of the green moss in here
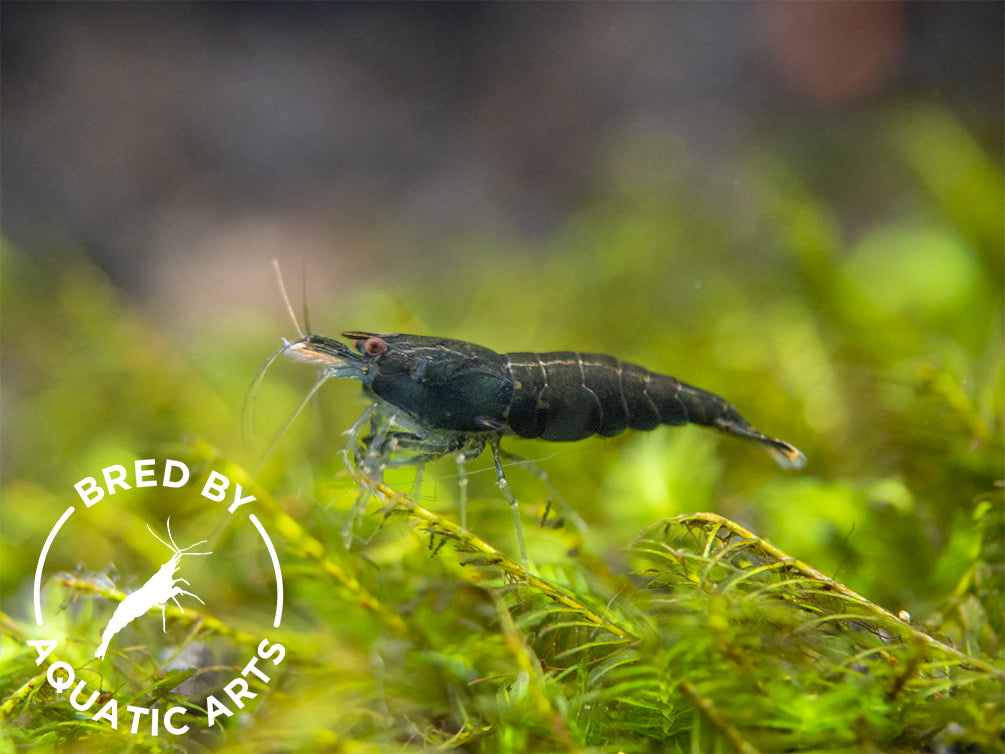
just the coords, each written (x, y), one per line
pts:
(876, 351)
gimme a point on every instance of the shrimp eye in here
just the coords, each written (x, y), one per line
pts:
(374, 345)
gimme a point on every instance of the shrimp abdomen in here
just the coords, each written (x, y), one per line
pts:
(567, 396)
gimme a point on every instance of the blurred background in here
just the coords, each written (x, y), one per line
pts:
(795, 205)
(798, 206)
(182, 147)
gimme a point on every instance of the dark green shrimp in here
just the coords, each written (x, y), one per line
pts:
(436, 396)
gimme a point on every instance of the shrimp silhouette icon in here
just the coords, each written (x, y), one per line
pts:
(156, 592)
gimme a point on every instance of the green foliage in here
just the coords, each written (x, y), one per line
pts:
(876, 348)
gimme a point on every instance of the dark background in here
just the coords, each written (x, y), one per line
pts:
(183, 145)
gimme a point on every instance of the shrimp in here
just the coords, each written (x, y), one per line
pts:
(433, 397)
(158, 589)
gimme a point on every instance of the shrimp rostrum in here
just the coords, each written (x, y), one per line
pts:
(434, 397)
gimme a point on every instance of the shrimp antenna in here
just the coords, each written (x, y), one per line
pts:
(248, 411)
(286, 299)
(304, 333)
(289, 422)
(303, 297)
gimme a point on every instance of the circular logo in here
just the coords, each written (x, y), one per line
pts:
(189, 683)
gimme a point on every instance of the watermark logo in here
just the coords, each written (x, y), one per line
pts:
(75, 680)
(160, 588)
